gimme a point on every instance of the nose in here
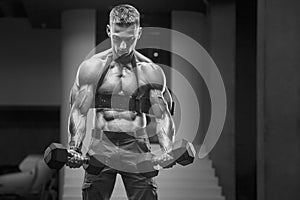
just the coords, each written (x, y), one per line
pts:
(123, 45)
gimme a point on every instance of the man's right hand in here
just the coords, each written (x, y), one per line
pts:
(164, 160)
(75, 159)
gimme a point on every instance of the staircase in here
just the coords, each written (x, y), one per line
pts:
(72, 183)
(192, 182)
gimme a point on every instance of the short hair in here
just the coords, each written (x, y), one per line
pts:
(124, 15)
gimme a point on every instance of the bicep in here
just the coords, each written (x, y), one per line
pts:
(158, 103)
(83, 99)
(82, 92)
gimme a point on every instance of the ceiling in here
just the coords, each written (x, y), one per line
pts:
(46, 13)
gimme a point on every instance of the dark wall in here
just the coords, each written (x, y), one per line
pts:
(30, 72)
(26, 130)
(30, 77)
(282, 99)
(222, 50)
(245, 106)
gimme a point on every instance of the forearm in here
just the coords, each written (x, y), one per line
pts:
(165, 130)
(77, 129)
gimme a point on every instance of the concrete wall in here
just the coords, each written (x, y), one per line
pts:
(30, 64)
(30, 85)
(281, 32)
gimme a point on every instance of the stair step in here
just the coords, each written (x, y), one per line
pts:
(71, 197)
(73, 181)
(187, 179)
(119, 198)
(196, 166)
(74, 190)
(206, 191)
(191, 198)
(78, 172)
(176, 198)
(187, 173)
(185, 194)
(178, 183)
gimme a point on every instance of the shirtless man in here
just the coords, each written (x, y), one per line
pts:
(112, 82)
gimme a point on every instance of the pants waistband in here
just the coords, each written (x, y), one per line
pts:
(119, 135)
(97, 134)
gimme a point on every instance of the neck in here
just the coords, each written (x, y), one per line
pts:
(124, 59)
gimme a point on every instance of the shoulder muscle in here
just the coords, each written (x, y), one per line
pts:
(154, 75)
(89, 72)
(87, 76)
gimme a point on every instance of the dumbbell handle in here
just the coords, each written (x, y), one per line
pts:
(165, 164)
(85, 159)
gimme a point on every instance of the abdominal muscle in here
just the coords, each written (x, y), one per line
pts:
(119, 121)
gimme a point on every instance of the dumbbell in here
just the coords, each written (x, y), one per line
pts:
(56, 156)
(183, 153)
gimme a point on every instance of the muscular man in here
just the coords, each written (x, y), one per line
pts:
(121, 84)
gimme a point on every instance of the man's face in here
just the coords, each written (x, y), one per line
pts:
(123, 38)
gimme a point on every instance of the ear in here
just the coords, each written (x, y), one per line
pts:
(108, 30)
(140, 32)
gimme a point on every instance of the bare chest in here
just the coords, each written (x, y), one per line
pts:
(120, 80)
